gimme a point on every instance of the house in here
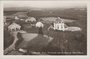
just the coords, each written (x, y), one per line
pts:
(14, 27)
(59, 24)
(39, 24)
(30, 19)
(16, 18)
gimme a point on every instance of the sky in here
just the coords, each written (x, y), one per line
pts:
(43, 4)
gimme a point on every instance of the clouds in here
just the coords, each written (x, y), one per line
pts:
(43, 4)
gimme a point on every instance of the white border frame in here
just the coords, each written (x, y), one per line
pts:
(46, 56)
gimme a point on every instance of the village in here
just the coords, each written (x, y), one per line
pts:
(45, 32)
(16, 28)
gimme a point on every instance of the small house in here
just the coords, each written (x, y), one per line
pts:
(39, 24)
(30, 19)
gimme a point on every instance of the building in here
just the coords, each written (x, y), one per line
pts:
(59, 24)
(14, 27)
(30, 19)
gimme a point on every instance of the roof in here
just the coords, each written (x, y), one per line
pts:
(14, 25)
(31, 19)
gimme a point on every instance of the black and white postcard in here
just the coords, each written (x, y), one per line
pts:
(45, 28)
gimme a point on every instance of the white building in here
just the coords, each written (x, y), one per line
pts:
(14, 27)
(30, 19)
(16, 18)
(59, 24)
(39, 24)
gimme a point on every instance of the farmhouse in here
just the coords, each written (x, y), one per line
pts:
(14, 27)
(39, 24)
(30, 19)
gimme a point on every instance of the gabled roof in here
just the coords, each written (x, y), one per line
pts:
(14, 25)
